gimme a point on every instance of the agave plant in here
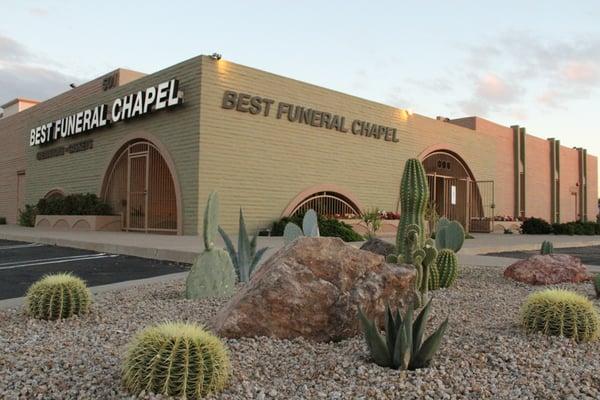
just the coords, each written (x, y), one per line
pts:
(246, 258)
(402, 346)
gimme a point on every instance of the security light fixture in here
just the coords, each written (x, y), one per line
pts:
(215, 56)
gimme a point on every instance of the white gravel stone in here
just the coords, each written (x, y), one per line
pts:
(485, 354)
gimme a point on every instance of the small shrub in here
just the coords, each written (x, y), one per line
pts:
(176, 359)
(327, 227)
(27, 215)
(536, 226)
(372, 219)
(2, 220)
(589, 228)
(73, 204)
(58, 296)
(403, 346)
(558, 312)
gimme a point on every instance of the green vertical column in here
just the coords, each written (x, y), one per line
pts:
(523, 152)
(519, 135)
(582, 183)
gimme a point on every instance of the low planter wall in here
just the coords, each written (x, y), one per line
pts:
(500, 226)
(79, 222)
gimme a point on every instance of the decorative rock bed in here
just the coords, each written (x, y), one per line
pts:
(485, 353)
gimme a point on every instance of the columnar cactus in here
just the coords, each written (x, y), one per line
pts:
(547, 248)
(58, 296)
(559, 312)
(447, 266)
(434, 277)
(212, 274)
(178, 360)
(597, 285)
(449, 235)
(414, 195)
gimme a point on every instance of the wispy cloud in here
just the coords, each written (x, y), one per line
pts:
(25, 74)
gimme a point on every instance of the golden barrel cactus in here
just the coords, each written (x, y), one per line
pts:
(559, 312)
(176, 359)
(58, 296)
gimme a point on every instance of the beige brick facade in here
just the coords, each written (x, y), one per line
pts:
(261, 162)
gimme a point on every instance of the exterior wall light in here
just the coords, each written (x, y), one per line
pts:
(215, 56)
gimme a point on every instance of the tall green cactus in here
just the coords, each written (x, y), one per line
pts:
(547, 248)
(212, 274)
(414, 195)
(447, 266)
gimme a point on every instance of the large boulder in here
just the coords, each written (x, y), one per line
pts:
(379, 246)
(548, 269)
(312, 288)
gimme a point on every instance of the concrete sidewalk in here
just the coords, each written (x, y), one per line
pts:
(185, 248)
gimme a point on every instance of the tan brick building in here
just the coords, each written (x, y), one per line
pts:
(273, 146)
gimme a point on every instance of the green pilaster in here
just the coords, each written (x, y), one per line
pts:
(554, 180)
(519, 168)
(582, 183)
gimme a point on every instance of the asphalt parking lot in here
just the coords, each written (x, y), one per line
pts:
(589, 255)
(23, 263)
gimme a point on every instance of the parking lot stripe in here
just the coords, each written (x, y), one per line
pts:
(57, 261)
(21, 246)
(52, 259)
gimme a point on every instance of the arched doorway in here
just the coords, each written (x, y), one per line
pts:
(327, 200)
(139, 185)
(456, 194)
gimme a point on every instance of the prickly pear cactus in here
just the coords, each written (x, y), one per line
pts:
(449, 235)
(447, 265)
(212, 274)
(291, 232)
(310, 224)
(414, 194)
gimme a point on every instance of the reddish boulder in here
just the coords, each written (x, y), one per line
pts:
(312, 288)
(548, 270)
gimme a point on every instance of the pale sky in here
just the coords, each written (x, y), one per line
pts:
(535, 64)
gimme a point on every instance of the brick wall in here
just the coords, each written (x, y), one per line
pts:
(537, 178)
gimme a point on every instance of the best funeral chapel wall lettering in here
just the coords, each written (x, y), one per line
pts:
(305, 115)
(164, 95)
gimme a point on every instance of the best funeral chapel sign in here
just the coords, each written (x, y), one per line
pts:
(164, 95)
(304, 115)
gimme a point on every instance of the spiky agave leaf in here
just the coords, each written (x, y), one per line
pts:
(419, 327)
(231, 250)
(391, 329)
(375, 341)
(244, 249)
(257, 256)
(425, 354)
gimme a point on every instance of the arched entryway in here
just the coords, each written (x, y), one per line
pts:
(326, 200)
(139, 185)
(456, 194)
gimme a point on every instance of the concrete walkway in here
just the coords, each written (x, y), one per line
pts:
(185, 248)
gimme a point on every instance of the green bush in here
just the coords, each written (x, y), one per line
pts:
(27, 215)
(73, 204)
(2, 220)
(327, 227)
(577, 228)
(536, 226)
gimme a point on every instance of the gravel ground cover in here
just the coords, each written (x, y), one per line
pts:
(589, 255)
(485, 355)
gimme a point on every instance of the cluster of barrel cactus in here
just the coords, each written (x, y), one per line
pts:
(559, 312)
(58, 296)
(310, 228)
(403, 346)
(176, 359)
(212, 274)
(246, 258)
(411, 246)
(547, 248)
